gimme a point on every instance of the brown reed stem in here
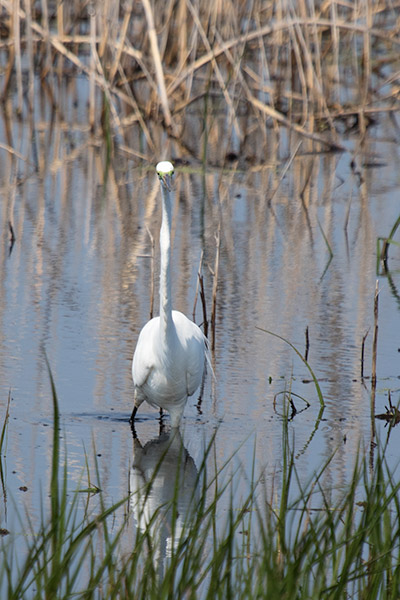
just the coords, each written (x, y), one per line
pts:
(204, 305)
(121, 41)
(92, 84)
(18, 59)
(30, 54)
(363, 353)
(200, 290)
(151, 30)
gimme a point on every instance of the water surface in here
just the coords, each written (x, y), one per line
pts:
(77, 285)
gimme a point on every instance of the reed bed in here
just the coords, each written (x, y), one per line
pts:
(317, 69)
(184, 74)
(294, 541)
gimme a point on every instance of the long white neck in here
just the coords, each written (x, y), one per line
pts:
(165, 267)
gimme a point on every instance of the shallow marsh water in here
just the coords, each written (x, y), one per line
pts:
(76, 288)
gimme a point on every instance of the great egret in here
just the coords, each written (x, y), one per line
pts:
(170, 354)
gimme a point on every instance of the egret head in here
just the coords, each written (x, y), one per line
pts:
(165, 171)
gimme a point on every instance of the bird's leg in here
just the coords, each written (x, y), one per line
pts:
(137, 401)
(132, 417)
(134, 434)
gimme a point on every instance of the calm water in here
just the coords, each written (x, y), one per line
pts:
(77, 287)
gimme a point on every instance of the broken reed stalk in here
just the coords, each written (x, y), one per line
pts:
(197, 287)
(4, 427)
(383, 252)
(12, 237)
(3, 451)
(307, 344)
(204, 305)
(215, 287)
(375, 338)
(363, 353)
(200, 290)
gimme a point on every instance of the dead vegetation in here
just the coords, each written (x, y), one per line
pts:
(319, 69)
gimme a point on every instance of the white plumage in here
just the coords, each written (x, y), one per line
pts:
(170, 354)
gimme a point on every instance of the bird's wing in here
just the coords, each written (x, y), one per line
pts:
(144, 358)
(194, 342)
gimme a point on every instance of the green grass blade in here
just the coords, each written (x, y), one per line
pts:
(317, 386)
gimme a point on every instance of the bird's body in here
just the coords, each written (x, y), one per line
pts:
(169, 358)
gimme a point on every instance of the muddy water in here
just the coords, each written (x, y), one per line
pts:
(294, 254)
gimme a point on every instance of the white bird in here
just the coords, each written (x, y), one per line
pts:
(170, 354)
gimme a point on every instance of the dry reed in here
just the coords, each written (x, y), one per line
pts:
(305, 67)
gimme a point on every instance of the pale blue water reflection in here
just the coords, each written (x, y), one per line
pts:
(77, 287)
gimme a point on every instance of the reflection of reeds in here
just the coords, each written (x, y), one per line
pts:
(375, 337)
(303, 66)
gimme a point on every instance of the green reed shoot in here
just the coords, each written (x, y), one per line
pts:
(296, 540)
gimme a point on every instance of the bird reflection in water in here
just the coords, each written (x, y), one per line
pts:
(164, 491)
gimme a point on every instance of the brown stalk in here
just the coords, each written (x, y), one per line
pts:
(268, 30)
(183, 52)
(92, 83)
(363, 353)
(157, 62)
(60, 32)
(121, 41)
(274, 114)
(314, 83)
(98, 76)
(279, 117)
(298, 75)
(216, 69)
(204, 305)
(18, 61)
(14, 152)
(46, 60)
(30, 53)
(200, 290)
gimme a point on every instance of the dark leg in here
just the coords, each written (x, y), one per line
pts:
(161, 421)
(132, 418)
(134, 434)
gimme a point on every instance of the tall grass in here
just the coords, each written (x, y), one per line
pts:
(314, 67)
(201, 541)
